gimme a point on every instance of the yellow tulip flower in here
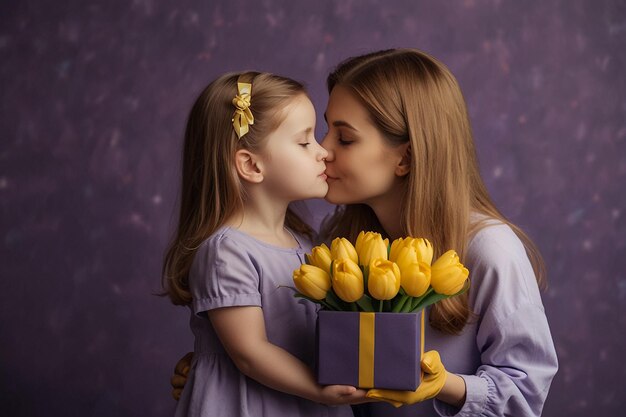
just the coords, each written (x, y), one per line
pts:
(406, 256)
(424, 250)
(415, 278)
(384, 279)
(312, 281)
(422, 247)
(396, 245)
(341, 248)
(448, 275)
(347, 280)
(359, 240)
(371, 246)
(320, 257)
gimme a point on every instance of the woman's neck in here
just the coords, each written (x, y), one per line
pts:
(388, 210)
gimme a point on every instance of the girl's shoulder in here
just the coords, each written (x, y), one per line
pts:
(222, 246)
(306, 242)
(223, 236)
(230, 239)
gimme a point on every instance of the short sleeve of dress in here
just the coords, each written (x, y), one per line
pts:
(223, 274)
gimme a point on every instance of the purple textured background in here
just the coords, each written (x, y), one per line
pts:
(94, 100)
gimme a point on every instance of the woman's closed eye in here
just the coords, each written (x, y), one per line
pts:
(305, 144)
(343, 141)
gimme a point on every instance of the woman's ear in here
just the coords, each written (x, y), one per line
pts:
(248, 166)
(404, 166)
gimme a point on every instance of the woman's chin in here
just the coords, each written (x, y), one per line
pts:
(333, 198)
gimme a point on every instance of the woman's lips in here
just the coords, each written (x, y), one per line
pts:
(330, 177)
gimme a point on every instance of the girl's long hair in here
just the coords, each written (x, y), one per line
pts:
(211, 190)
(412, 97)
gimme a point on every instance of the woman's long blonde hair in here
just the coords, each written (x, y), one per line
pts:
(412, 97)
(211, 190)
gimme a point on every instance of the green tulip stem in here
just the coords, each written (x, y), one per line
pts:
(334, 302)
(326, 305)
(380, 306)
(365, 303)
(432, 297)
(313, 300)
(418, 300)
(401, 302)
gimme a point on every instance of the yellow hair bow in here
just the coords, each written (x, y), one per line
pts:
(243, 116)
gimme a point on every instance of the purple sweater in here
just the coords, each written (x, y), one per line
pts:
(506, 357)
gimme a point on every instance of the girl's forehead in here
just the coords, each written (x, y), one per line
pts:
(300, 114)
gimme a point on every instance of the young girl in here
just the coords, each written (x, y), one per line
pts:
(401, 161)
(249, 151)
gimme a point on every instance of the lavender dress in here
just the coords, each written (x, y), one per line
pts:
(230, 269)
(506, 357)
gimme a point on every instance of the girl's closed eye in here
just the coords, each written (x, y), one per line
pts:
(305, 144)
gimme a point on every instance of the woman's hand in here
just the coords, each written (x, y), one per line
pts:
(435, 376)
(179, 378)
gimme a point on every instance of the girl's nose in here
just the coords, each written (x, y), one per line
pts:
(330, 154)
(322, 154)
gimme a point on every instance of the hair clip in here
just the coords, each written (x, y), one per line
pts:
(242, 118)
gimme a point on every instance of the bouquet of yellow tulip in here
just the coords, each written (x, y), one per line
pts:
(373, 276)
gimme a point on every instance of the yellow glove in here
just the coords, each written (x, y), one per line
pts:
(179, 379)
(434, 379)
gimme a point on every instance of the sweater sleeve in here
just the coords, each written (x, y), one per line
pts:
(518, 359)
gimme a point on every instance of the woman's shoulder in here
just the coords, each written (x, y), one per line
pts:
(500, 267)
(495, 243)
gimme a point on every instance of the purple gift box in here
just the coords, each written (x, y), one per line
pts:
(367, 350)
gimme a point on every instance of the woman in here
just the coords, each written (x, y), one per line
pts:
(401, 160)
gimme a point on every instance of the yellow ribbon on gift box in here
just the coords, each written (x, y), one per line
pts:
(367, 329)
(366, 349)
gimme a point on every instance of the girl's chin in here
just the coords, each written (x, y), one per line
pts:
(319, 192)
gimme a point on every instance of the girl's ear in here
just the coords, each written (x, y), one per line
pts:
(248, 166)
(404, 166)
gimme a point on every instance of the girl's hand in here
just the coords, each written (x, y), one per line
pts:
(179, 379)
(342, 394)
